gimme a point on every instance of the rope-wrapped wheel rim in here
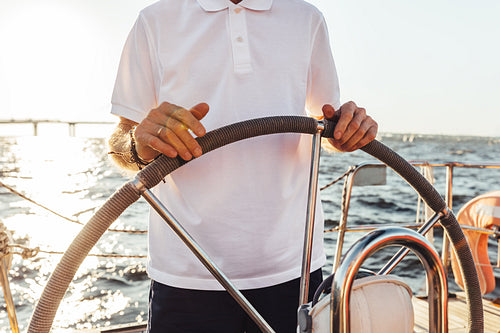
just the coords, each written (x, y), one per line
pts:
(150, 176)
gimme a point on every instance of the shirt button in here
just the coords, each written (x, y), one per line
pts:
(239, 39)
(237, 10)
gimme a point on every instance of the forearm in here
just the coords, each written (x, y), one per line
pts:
(119, 146)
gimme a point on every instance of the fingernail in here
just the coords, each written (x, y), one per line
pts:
(338, 135)
(197, 152)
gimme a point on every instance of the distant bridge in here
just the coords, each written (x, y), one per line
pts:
(35, 122)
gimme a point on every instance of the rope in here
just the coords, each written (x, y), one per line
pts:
(349, 171)
(99, 255)
(28, 253)
(62, 216)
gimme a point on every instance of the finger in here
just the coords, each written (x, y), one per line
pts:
(346, 115)
(354, 126)
(152, 138)
(169, 137)
(370, 135)
(187, 119)
(188, 142)
(354, 139)
(328, 111)
(366, 133)
(330, 114)
(199, 111)
(148, 142)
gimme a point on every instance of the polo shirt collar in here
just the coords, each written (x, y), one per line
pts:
(217, 5)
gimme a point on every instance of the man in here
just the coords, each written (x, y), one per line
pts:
(246, 202)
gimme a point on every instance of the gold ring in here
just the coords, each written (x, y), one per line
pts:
(158, 133)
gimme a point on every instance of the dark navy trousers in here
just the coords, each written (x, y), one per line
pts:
(175, 310)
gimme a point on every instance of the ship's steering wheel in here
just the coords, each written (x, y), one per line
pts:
(151, 175)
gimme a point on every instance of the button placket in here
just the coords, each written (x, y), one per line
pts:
(239, 40)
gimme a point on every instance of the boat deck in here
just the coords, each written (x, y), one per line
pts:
(457, 318)
(457, 315)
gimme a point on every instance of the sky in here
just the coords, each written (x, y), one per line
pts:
(421, 67)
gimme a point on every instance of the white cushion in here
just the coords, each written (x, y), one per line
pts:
(379, 304)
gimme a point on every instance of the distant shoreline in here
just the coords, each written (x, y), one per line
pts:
(102, 129)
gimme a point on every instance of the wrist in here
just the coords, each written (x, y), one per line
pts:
(134, 156)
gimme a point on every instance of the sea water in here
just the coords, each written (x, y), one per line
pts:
(72, 176)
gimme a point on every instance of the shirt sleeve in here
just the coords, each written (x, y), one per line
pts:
(135, 91)
(322, 85)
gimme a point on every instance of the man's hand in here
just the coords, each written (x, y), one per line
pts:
(166, 130)
(354, 128)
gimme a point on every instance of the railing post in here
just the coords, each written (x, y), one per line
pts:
(445, 255)
(310, 216)
(72, 128)
(369, 244)
(5, 262)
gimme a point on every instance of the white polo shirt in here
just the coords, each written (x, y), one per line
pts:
(246, 202)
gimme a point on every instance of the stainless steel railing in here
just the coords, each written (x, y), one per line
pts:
(352, 181)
